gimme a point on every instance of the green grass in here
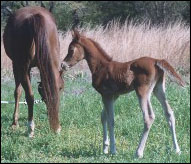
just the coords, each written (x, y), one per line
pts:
(81, 136)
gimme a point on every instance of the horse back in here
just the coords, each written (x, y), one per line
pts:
(19, 33)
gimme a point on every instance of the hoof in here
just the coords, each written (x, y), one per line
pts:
(178, 151)
(105, 151)
(139, 155)
(58, 130)
(31, 135)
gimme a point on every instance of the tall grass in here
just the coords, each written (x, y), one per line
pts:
(128, 41)
(131, 40)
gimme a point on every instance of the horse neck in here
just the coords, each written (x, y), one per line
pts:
(94, 57)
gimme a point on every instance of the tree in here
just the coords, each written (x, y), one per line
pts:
(70, 14)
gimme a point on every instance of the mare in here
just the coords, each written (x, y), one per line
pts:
(31, 40)
(111, 79)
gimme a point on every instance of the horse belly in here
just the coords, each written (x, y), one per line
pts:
(116, 88)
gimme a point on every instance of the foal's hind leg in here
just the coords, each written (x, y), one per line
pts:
(144, 94)
(30, 102)
(17, 95)
(159, 92)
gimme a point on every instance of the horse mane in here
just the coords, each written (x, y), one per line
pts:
(102, 51)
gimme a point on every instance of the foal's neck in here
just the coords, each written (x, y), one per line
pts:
(95, 56)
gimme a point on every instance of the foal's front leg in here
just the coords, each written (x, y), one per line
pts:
(105, 135)
(108, 106)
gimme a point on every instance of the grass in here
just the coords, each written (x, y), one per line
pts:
(81, 136)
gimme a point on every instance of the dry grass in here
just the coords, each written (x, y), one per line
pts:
(132, 40)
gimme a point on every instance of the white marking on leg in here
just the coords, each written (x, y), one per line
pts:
(31, 127)
(108, 103)
(59, 130)
(148, 117)
(110, 122)
(147, 125)
(160, 94)
(171, 121)
(105, 135)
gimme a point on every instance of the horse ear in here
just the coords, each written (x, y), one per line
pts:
(75, 34)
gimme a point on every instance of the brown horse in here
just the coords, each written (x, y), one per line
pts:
(111, 79)
(30, 40)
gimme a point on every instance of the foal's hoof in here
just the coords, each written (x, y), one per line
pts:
(178, 151)
(105, 151)
(139, 155)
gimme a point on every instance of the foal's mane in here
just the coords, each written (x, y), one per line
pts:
(102, 51)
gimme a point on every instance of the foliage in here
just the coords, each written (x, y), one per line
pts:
(82, 13)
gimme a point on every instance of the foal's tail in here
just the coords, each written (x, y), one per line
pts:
(166, 67)
(45, 66)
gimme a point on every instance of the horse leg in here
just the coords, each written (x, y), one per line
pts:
(108, 106)
(148, 117)
(104, 124)
(17, 95)
(30, 102)
(159, 92)
(105, 135)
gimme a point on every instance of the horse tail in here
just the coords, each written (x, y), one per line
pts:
(166, 67)
(45, 66)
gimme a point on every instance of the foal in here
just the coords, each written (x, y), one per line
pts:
(111, 79)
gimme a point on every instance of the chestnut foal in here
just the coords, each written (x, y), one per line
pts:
(111, 79)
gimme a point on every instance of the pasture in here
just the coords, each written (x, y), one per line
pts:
(81, 137)
(80, 105)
